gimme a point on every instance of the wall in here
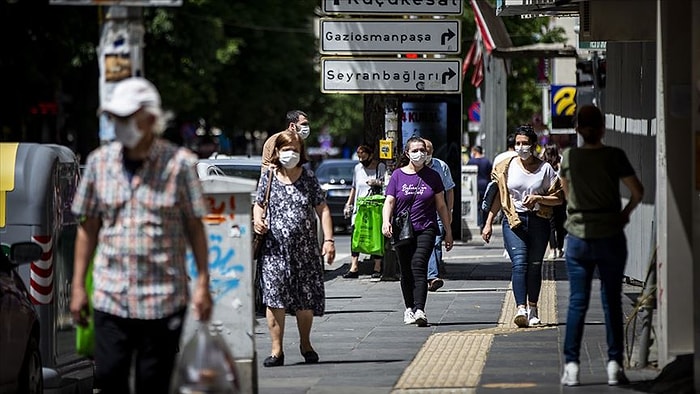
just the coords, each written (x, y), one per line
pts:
(630, 114)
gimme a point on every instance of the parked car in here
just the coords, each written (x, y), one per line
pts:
(238, 166)
(335, 176)
(20, 357)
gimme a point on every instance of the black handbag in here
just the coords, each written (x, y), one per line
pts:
(401, 226)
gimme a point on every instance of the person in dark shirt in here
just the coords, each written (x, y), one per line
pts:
(483, 176)
(591, 175)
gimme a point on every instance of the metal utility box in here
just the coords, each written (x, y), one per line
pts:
(37, 184)
(229, 230)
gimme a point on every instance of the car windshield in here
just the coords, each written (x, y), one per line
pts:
(335, 171)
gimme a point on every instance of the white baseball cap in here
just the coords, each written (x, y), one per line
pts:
(130, 95)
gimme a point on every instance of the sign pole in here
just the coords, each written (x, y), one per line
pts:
(120, 55)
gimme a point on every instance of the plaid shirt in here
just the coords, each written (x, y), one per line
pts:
(139, 266)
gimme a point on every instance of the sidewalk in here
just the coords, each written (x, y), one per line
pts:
(471, 345)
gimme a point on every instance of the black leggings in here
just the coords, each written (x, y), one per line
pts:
(413, 262)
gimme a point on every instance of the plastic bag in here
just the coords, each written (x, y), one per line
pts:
(367, 234)
(206, 365)
(85, 336)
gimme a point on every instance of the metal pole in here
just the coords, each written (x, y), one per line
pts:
(120, 54)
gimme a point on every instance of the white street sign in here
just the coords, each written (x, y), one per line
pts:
(362, 75)
(389, 36)
(393, 7)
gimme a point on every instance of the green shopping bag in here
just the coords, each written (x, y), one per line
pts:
(85, 336)
(367, 234)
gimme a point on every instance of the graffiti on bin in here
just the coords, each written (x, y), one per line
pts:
(224, 274)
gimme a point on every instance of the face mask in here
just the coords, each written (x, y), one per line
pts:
(417, 158)
(523, 151)
(428, 159)
(303, 130)
(127, 133)
(289, 158)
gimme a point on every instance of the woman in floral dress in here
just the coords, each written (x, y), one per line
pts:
(291, 260)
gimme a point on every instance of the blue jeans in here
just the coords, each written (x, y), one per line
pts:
(526, 245)
(582, 258)
(436, 255)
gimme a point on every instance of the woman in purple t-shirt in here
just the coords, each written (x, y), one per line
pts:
(418, 188)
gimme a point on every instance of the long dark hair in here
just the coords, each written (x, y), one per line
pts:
(551, 155)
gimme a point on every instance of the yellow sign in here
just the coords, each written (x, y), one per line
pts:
(8, 153)
(386, 149)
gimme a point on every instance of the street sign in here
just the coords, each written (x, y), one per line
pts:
(366, 75)
(389, 36)
(125, 3)
(393, 7)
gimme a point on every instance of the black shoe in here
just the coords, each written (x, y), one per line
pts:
(351, 275)
(274, 361)
(435, 284)
(310, 357)
(376, 275)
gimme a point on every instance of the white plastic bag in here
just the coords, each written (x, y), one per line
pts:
(206, 365)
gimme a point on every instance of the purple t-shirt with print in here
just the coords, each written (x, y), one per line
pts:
(403, 187)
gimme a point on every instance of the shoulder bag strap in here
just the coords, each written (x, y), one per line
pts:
(266, 199)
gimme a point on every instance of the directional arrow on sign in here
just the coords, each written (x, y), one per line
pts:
(389, 36)
(361, 75)
(447, 36)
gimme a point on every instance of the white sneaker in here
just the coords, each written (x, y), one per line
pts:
(521, 318)
(616, 374)
(533, 318)
(421, 318)
(408, 316)
(570, 376)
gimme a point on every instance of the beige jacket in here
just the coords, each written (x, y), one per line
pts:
(500, 175)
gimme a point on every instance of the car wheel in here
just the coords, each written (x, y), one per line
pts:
(31, 379)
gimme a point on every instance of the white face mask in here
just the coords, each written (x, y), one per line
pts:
(127, 133)
(523, 151)
(417, 158)
(303, 130)
(289, 158)
(428, 159)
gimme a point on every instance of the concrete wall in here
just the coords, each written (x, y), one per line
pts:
(675, 192)
(630, 113)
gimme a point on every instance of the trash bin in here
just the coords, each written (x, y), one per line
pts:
(228, 224)
(37, 183)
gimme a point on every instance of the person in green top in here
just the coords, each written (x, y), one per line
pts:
(591, 176)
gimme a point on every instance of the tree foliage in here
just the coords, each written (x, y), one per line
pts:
(241, 65)
(524, 96)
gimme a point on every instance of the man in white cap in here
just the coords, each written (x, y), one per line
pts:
(138, 199)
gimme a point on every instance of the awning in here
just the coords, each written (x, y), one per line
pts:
(537, 50)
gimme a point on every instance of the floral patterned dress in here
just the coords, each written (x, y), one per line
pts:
(290, 260)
